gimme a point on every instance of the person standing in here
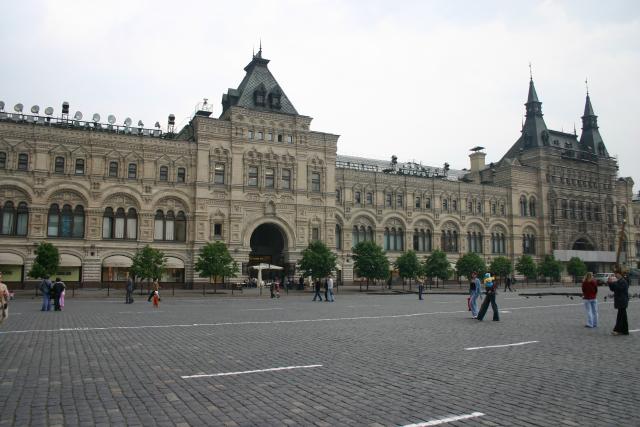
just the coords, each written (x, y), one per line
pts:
(420, 290)
(474, 292)
(330, 289)
(45, 288)
(490, 293)
(56, 292)
(317, 287)
(620, 289)
(326, 290)
(507, 284)
(4, 300)
(589, 293)
(130, 289)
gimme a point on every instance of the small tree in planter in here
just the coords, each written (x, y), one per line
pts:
(214, 260)
(47, 261)
(370, 261)
(408, 266)
(526, 267)
(468, 263)
(500, 266)
(437, 265)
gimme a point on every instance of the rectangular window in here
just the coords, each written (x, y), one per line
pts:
(218, 176)
(269, 136)
(289, 139)
(217, 230)
(59, 165)
(369, 199)
(260, 136)
(356, 198)
(315, 182)
(315, 233)
(268, 178)
(133, 171)
(79, 166)
(3, 160)
(417, 202)
(427, 203)
(400, 201)
(182, 174)
(113, 169)
(279, 137)
(23, 161)
(164, 173)
(388, 200)
(253, 176)
(250, 134)
(286, 179)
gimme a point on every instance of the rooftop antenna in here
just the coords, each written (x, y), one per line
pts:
(530, 72)
(586, 84)
(575, 133)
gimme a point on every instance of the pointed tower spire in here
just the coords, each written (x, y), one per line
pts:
(534, 131)
(590, 138)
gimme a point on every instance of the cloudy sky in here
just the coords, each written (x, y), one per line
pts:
(424, 80)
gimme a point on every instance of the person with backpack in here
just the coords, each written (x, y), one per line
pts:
(56, 292)
(45, 288)
(490, 292)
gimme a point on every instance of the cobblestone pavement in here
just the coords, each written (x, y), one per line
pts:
(385, 360)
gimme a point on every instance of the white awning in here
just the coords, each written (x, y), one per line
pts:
(172, 262)
(117, 261)
(7, 258)
(67, 260)
(586, 256)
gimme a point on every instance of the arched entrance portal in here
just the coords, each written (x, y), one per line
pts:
(582, 245)
(268, 243)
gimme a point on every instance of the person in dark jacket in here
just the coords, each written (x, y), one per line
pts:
(45, 288)
(130, 289)
(620, 289)
(318, 285)
(56, 292)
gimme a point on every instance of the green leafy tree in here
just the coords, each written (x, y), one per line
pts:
(148, 263)
(214, 260)
(370, 261)
(437, 265)
(317, 260)
(500, 266)
(47, 261)
(408, 266)
(550, 268)
(577, 268)
(526, 267)
(468, 263)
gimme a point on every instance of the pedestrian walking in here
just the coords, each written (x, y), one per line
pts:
(155, 290)
(156, 299)
(326, 290)
(277, 286)
(507, 284)
(490, 292)
(620, 288)
(318, 285)
(64, 291)
(589, 293)
(420, 290)
(130, 288)
(56, 292)
(45, 288)
(330, 289)
(474, 292)
(4, 300)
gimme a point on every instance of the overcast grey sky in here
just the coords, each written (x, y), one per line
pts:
(425, 80)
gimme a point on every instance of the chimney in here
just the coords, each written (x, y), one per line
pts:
(477, 161)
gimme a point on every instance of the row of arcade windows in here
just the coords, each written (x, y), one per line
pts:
(170, 227)
(67, 222)
(23, 161)
(120, 224)
(13, 222)
(59, 166)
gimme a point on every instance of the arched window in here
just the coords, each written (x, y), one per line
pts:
(362, 235)
(387, 239)
(78, 221)
(59, 165)
(445, 205)
(532, 207)
(107, 224)
(8, 219)
(181, 227)
(158, 225)
(132, 224)
(370, 234)
(53, 223)
(132, 173)
(66, 223)
(182, 175)
(498, 242)
(121, 223)
(474, 241)
(169, 224)
(338, 237)
(422, 240)
(164, 173)
(399, 244)
(23, 219)
(529, 244)
(523, 206)
(354, 236)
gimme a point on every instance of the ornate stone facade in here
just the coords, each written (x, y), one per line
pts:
(100, 192)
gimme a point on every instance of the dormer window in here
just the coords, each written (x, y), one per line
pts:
(259, 96)
(274, 98)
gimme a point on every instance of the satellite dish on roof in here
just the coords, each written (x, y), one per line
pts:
(78, 115)
(96, 118)
(157, 125)
(35, 109)
(18, 108)
(140, 124)
(48, 111)
(127, 121)
(111, 119)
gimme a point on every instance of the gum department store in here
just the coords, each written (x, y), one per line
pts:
(259, 179)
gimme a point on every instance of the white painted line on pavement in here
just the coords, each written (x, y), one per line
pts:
(504, 311)
(224, 374)
(501, 345)
(439, 421)
(261, 309)
(634, 330)
(267, 322)
(140, 312)
(515, 298)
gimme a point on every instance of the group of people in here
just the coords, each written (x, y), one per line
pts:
(52, 292)
(475, 290)
(154, 292)
(328, 290)
(619, 285)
